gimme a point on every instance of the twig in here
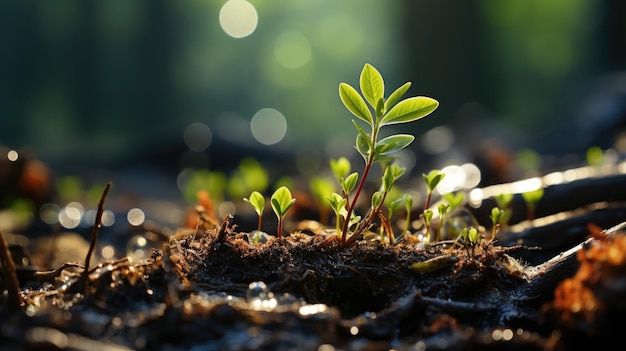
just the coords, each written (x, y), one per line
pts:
(10, 277)
(94, 235)
(221, 235)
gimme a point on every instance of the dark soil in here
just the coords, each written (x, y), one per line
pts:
(211, 288)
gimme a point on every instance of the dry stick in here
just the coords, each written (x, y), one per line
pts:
(94, 235)
(10, 277)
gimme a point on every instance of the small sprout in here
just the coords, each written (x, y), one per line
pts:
(281, 202)
(321, 189)
(258, 202)
(443, 209)
(454, 199)
(503, 200)
(340, 167)
(594, 156)
(428, 216)
(469, 237)
(348, 183)
(408, 206)
(432, 179)
(532, 198)
(338, 204)
(496, 216)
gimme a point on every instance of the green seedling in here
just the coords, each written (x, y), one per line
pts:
(496, 216)
(322, 189)
(428, 217)
(257, 200)
(469, 237)
(338, 204)
(443, 209)
(432, 179)
(594, 156)
(380, 112)
(503, 201)
(281, 202)
(453, 199)
(408, 206)
(532, 198)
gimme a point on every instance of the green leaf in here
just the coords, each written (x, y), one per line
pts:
(337, 202)
(432, 179)
(372, 85)
(428, 216)
(473, 235)
(443, 209)
(377, 199)
(503, 199)
(392, 173)
(410, 110)
(348, 183)
(321, 188)
(340, 167)
(282, 201)
(454, 199)
(257, 201)
(396, 95)
(496, 215)
(354, 103)
(393, 143)
(532, 197)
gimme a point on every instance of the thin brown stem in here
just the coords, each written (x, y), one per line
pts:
(344, 229)
(280, 227)
(9, 275)
(94, 235)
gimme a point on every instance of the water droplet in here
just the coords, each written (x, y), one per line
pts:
(257, 290)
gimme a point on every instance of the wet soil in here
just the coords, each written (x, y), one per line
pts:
(214, 288)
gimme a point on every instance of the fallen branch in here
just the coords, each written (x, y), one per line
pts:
(9, 276)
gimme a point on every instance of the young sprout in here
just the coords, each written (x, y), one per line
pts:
(408, 206)
(443, 209)
(454, 199)
(338, 204)
(532, 198)
(386, 111)
(496, 216)
(470, 238)
(428, 217)
(258, 202)
(281, 202)
(322, 189)
(503, 201)
(432, 179)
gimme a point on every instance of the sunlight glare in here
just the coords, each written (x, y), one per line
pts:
(238, 18)
(12, 155)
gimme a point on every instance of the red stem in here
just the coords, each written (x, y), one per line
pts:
(344, 229)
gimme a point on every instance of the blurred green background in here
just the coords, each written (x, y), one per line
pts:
(192, 83)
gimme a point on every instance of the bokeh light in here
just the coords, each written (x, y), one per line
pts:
(268, 126)
(292, 49)
(70, 215)
(198, 136)
(12, 155)
(238, 18)
(135, 216)
(438, 140)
